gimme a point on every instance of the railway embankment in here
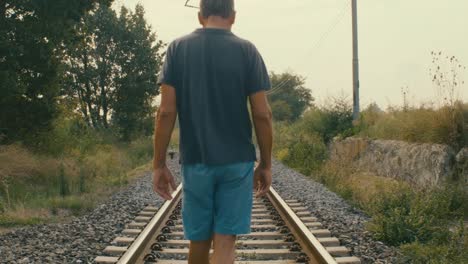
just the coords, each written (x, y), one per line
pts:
(420, 164)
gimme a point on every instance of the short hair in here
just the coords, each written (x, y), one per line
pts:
(222, 8)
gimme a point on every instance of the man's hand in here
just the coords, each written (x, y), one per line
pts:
(163, 182)
(262, 180)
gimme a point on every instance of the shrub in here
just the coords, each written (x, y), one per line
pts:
(407, 216)
(454, 251)
(328, 122)
(306, 153)
(302, 145)
(297, 148)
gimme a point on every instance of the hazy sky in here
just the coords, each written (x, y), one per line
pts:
(313, 38)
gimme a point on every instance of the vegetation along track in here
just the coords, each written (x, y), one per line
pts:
(283, 232)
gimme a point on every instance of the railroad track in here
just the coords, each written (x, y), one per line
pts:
(283, 232)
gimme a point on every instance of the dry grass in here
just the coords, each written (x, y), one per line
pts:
(367, 186)
(17, 162)
(35, 188)
(360, 188)
(426, 124)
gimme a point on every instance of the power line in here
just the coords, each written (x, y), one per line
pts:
(319, 41)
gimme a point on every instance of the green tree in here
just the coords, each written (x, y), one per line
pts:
(281, 110)
(289, 97)
(33, 36)
(139, 58)
(92, 66)
(112, 70)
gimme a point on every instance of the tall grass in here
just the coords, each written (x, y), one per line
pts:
(426, 124)
(65, 171)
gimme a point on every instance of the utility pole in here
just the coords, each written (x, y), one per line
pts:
(355, 62)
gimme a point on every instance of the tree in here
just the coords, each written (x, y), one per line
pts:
(139, 58)
(92, 66)
(281, 110)
(112, 71)
(291, 98)
(33, 36)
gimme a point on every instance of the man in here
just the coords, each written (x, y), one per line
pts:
(207, 78)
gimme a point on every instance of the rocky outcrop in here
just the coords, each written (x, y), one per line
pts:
(462, 165)
(420, 164)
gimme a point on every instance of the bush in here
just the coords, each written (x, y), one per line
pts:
(302, 145)
(302, 151)
(407, 216)
(306, 153)
(329, 121)
(455, 251)
(69, 134)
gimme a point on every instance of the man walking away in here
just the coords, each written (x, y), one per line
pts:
(207, 79)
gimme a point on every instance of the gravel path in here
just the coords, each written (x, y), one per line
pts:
(84, 237)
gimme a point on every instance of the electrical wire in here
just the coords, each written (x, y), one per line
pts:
(319, 41)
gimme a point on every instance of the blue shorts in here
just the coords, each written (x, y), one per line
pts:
(216, 199)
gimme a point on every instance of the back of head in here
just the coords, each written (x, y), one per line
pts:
(221, 8)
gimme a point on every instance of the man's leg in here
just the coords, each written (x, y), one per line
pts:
(199, 252)
(233, 208)
(197, 211)
(224, 249)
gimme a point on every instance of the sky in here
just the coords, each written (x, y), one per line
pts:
(313, 38)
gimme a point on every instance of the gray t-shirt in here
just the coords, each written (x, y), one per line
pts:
(213, 72)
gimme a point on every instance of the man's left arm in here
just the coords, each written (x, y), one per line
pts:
(163, 180)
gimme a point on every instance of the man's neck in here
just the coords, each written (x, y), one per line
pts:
(218, 22)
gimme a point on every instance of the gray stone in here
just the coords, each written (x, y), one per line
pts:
(24, 261)
(417, 163)
(462, 166)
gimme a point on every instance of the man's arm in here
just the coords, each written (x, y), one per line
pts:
(164, 125)
(262, 119)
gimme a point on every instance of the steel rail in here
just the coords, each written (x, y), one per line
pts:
(309, 243)
(135, 252)
(311, 246)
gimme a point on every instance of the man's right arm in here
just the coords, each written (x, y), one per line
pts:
(262, 119)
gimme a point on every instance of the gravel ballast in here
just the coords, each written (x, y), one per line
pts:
(83, 238)
(344, 221)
